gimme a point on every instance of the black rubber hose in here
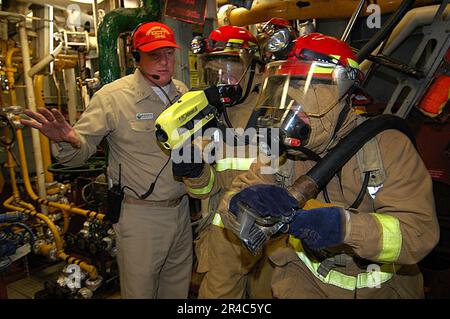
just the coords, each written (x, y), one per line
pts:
(350, 145)
(387, 28)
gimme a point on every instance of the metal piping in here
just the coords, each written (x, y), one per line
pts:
(385, 30)
(413, 19)
(94, 16)
(351, 22)
(10, 70)
(72, 96)
(302, 10)
(42, 200)
(45, 142)
(45, 61)
(31, 102)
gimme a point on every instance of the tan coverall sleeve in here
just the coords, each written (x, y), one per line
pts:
(96, 122)
(403, 226)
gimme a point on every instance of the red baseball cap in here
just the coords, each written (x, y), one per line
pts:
(153, 35)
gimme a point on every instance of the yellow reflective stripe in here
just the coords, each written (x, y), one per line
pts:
(391, 239)
(206, 189)
(350, 62)
(217, 221)
(321, 69)
(370, 279)
(242, 164)
(353, 63)
(236, 41)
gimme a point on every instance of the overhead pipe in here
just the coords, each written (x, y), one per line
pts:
(385, 30)
(414, 18)
(114, 23)
(45, 61)
(31, 102)
(63, 64)
(12, 16)
(304, 10)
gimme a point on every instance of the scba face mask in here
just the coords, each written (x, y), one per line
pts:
(230, 72)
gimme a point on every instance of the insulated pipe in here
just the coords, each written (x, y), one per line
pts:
(31, 102)
(62, 64)
(40, 200)
(45, 61)
(385, 30)
(114, 23)
(45, 143)
(305, 10)
(413, 19)
(58, 89)
(94, 16)
(72, 97)
(309, 185)
(12, 16)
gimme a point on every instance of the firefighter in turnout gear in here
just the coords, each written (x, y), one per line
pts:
(381, 218)
(230, 60)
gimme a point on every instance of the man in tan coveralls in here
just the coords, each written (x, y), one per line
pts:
(154, 238)
(348, 249)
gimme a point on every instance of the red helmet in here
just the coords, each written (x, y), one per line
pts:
(225, 38)
(230, 37)
(323, 48)
(298, 93)
(226, 57)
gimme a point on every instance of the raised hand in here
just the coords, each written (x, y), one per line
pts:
(53, 125)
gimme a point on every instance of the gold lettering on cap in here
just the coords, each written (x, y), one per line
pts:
(158, 32)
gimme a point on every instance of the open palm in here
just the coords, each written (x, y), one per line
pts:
(52, 124)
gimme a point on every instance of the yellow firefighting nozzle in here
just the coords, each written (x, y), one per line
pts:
(186, 116)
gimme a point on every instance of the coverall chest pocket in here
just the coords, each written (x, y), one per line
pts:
(143, 134)
(142, 126)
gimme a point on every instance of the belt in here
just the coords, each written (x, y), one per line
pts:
(161, 203)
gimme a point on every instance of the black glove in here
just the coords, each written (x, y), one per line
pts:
(191, 164)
